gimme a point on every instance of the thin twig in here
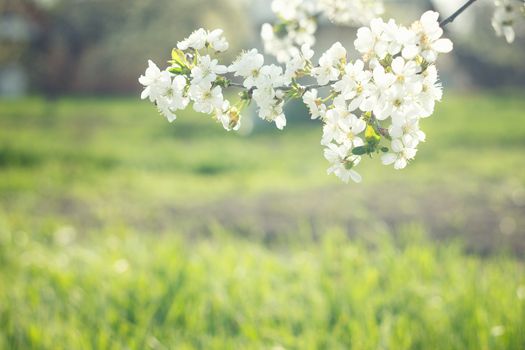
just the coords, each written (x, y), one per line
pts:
(315, 86)
(231, 83)
(452, 17)
(306, 87)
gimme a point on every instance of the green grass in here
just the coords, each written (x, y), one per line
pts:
(122, 290)
(119, 230)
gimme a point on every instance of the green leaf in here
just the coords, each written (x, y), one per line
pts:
(178, 57)
(175, 70)
(360, 150)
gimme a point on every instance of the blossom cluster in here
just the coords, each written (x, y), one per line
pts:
(372, 105)
(506, 14)
(296, 27)
(297, 22)
(376, 102)
(195, 76)
(351, 12)
(268, 85)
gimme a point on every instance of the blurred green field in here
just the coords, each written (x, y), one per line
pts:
(119, 230)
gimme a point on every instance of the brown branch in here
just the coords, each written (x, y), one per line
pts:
(452, 17)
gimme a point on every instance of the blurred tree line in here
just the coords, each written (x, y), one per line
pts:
(101, 46)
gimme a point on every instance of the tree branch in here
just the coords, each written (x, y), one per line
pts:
(452, 17)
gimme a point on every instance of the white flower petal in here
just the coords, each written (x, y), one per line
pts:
(443, 45)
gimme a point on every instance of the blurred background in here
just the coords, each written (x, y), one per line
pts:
(119, 230)
(95, 47)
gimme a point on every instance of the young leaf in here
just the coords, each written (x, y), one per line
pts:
(360, 150)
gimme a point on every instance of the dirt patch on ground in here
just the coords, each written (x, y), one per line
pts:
(489, 218)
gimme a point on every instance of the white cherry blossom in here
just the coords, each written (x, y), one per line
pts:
(351, 12)
(370, 40)
(201, 38)
(351, 128)
(341, 165)
(206, 71)
(330, 63)
(400, 156)
(506, 14)
(206, 100)
(196, 40)
(430, 32)
(217, 41)
(332, 129)
(247, 65)
(228, 116)
(155, 81)
(354, 84)
(313, 102)
(298, 63)
(431, 91)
